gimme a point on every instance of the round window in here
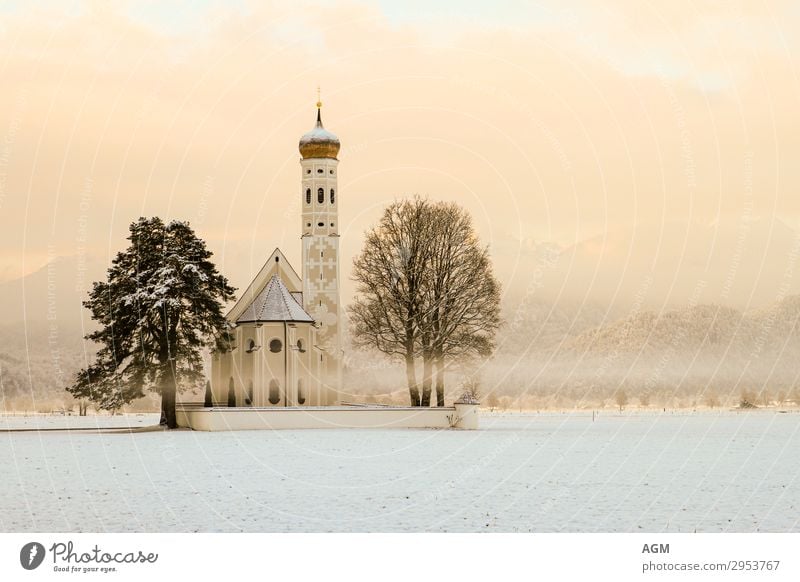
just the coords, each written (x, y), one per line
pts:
(275, 346)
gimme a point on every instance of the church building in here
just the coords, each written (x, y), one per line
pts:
(286, 328)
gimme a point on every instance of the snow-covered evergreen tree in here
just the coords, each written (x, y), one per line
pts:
(160, 307)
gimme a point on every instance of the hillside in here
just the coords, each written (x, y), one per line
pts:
(699, 355)
(548, 352)
(707, 329)
(37, 362)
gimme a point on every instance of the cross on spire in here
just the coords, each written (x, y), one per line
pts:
(319, 108)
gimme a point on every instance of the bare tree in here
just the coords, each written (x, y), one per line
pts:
(622, 399)
(390, 273)
(472, 388)
(425, 289)
(461, 309)
(711, 399)
(747, 399)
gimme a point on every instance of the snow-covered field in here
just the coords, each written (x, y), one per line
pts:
(707, 472)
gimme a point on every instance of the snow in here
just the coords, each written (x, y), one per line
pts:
(708, 472)
(54, 421)
(317, 135)
(194, 270)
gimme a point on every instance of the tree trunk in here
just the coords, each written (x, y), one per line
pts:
(439, 364)
(163, 420)
(168, 415)
(427, 379)
(411, 375)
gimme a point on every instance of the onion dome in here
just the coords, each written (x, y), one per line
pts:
(319, 142)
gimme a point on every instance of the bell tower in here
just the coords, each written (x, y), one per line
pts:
(320, 227)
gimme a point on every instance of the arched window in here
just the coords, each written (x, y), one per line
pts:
(301, 347)
(321, 195)
(249, 398)
(208, 401)
(231, 393)
(275, 346)
(251, 347)
(333, 196)
(274, 392)
(301, 391)
(308, 195)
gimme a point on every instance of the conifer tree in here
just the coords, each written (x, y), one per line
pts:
(159, 308)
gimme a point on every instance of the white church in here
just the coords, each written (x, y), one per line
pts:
(285, 368)
(286, 327)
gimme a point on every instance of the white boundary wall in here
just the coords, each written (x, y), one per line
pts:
(270, 418)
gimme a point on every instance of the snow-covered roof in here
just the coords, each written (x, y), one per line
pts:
(319, 142)
(318, 134)
(276, 263)
(274, 303)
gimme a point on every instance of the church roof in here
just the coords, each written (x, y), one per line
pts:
(278, 264)
(274, 303)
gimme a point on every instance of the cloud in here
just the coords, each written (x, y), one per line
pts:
(548, 124)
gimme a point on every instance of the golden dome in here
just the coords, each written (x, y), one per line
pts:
(319, 142)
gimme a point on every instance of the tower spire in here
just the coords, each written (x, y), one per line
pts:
(319, 107)
(319, 142)
(319, 197)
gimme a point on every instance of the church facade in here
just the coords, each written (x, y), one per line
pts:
(286, 328)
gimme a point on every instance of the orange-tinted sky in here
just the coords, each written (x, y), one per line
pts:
(550, 124)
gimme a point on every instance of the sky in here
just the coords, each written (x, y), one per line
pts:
(617, 130)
